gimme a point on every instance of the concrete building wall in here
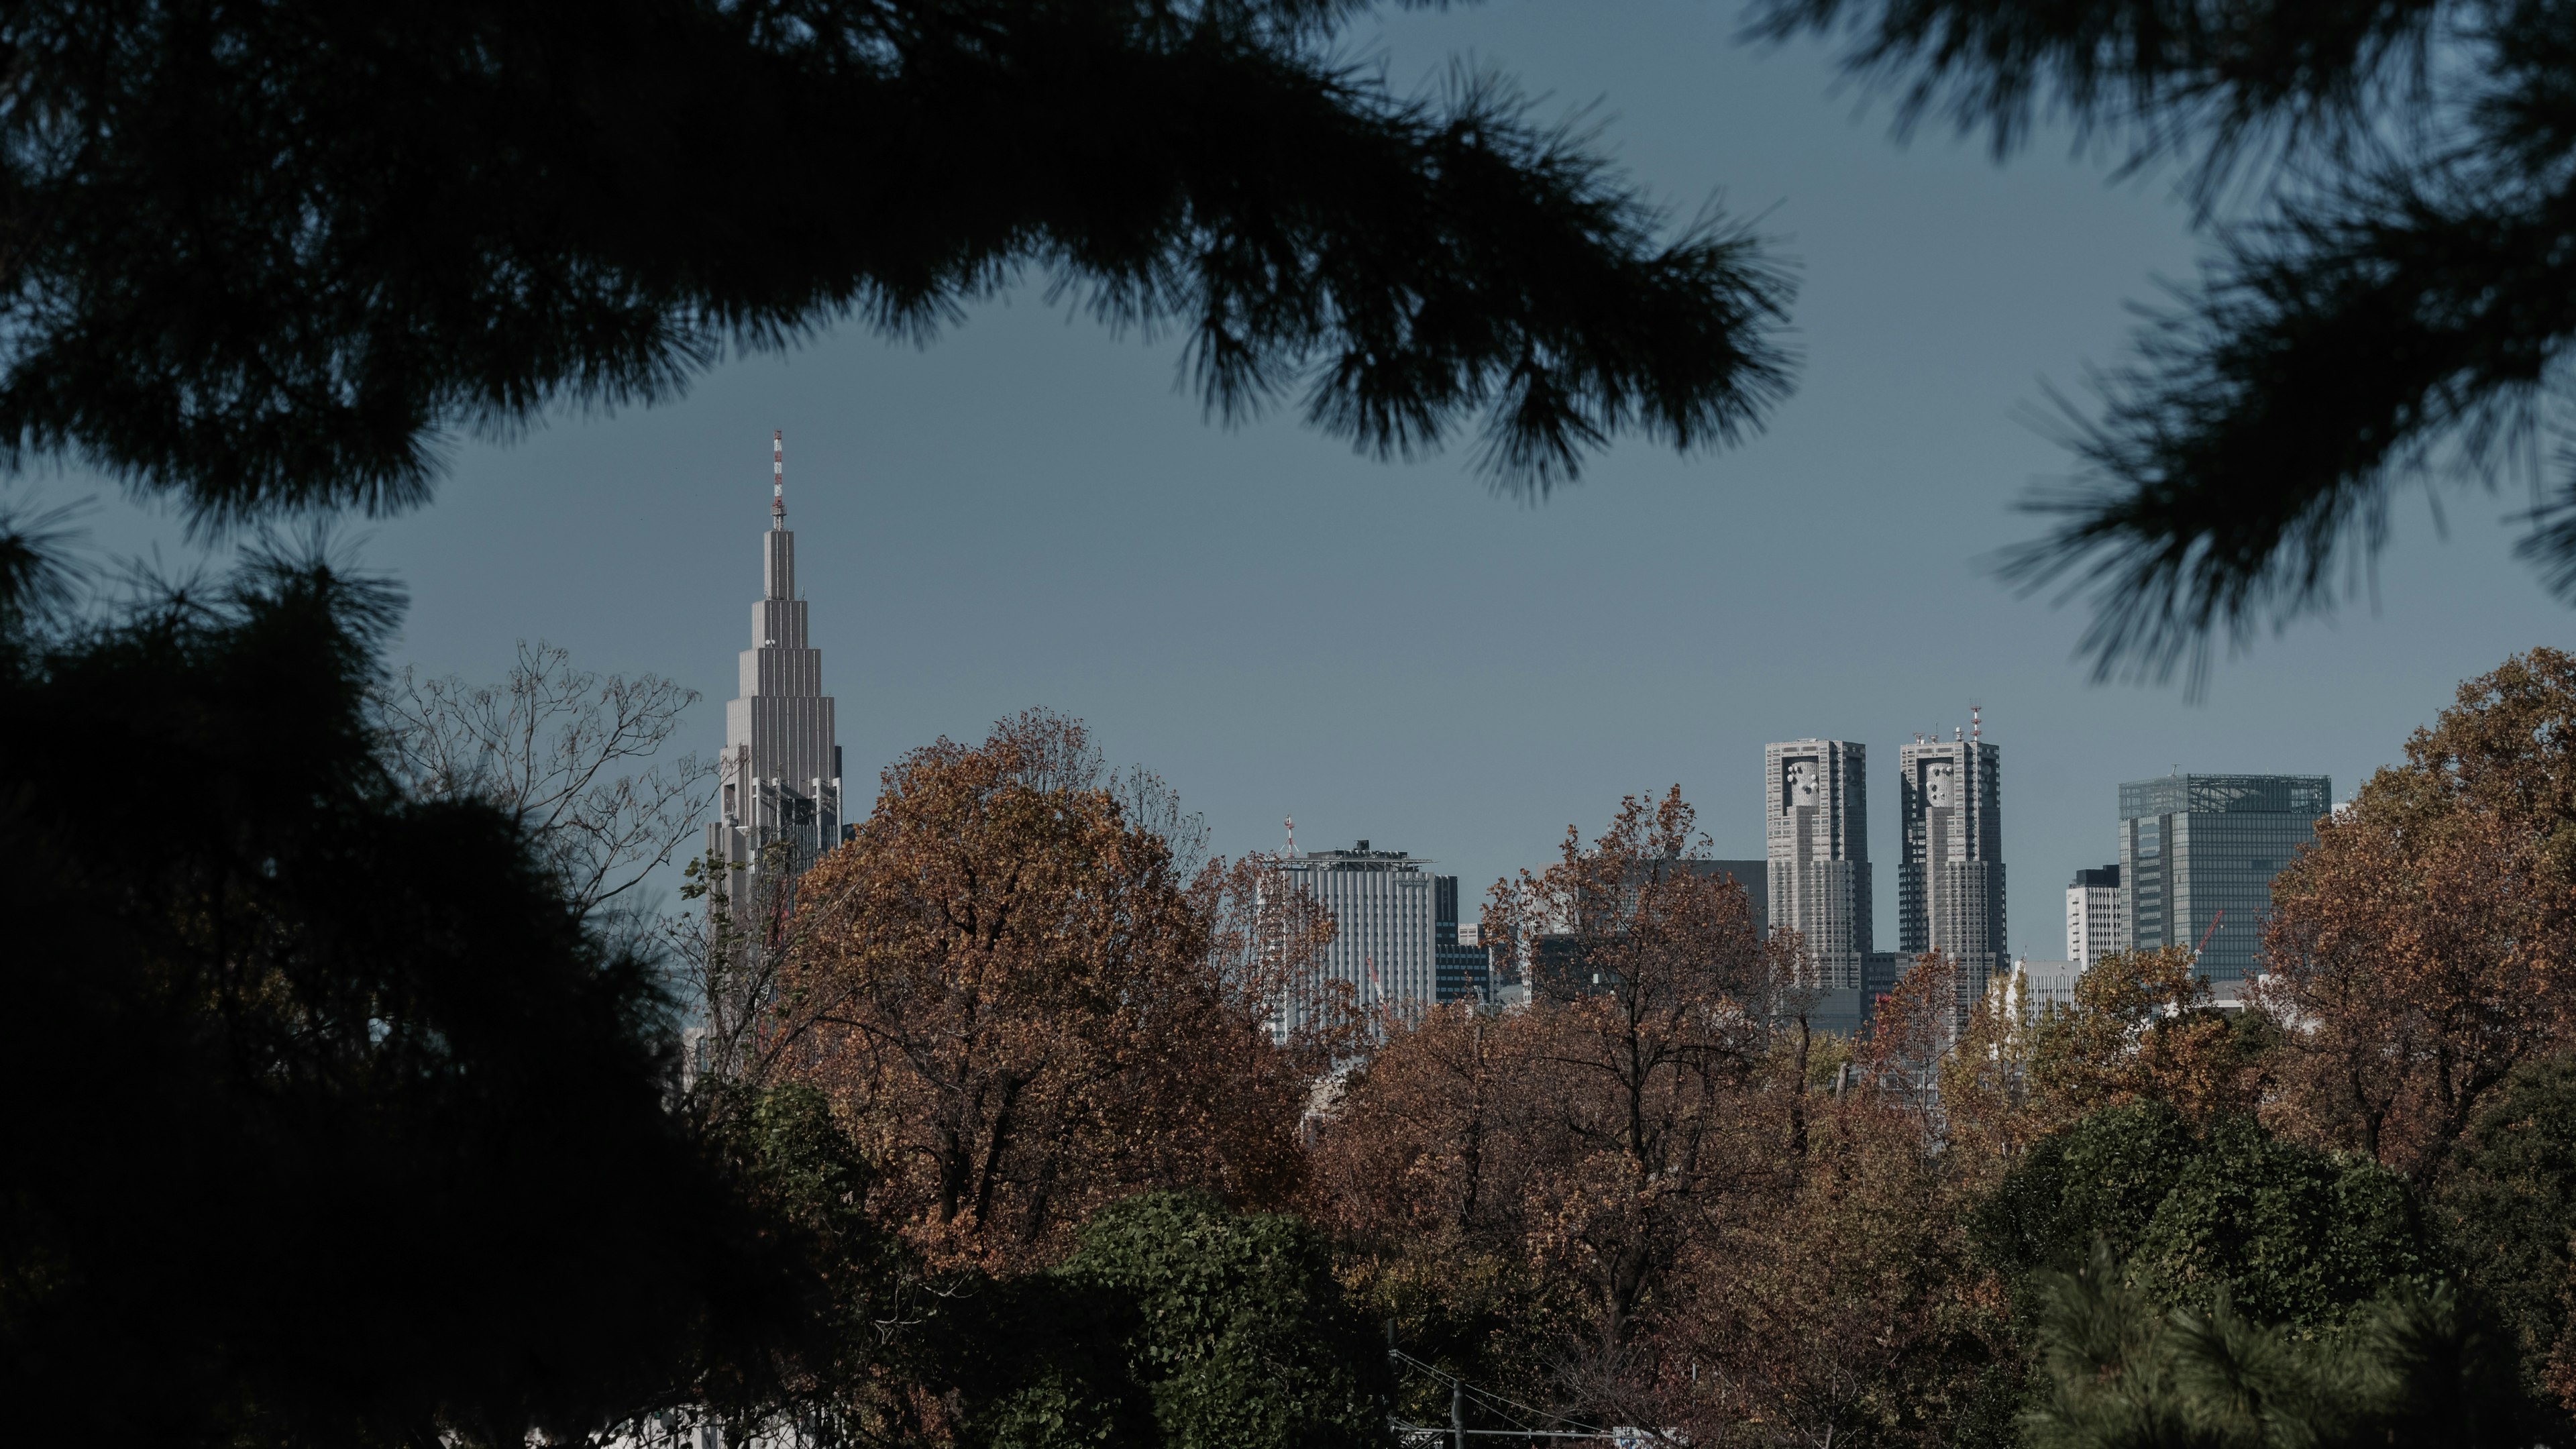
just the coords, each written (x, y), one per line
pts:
(1950, 884)
(1816, 853)
(1385, 938)
(2096, 924)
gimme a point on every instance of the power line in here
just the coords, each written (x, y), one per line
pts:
(1501, 1403)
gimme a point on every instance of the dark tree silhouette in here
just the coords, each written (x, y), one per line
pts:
(266, 255)
(339, 1126)
(2393, 304)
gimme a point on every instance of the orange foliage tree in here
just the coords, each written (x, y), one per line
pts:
(2419, 952)
(1017, 1005)
(1566, 1153)
(1846, 1306)
(2413, 966)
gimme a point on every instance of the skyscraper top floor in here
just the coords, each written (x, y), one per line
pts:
(2308, 795)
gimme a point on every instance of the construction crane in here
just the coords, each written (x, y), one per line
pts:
(2205, 935)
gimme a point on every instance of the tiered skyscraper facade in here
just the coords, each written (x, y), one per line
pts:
(1816, 852)
(1950, 894)
(780, 775)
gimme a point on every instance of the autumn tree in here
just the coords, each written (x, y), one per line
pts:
(1533, 1178)
(1012, 999)
(1847, 1305)
(1424, 1167)
(2416, 956)
(1659, 1003)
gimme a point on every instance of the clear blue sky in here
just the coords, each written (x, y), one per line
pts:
(1030, 512)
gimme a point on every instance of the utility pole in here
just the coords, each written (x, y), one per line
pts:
(1457, 1415)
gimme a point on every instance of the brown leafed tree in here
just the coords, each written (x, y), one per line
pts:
(2142, 1027)
(2413, 965)
(1424, 1169)
(1912, 1028)
(1846, 1309)
(2420, 950)
(1655, 1004)
(1012, 999)
(1985, 1079)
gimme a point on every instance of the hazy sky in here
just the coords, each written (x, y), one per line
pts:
(1029, 512)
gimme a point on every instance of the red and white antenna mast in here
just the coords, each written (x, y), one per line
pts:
(1973, 722)
(778, 478)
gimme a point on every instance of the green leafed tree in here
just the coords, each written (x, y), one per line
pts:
(2416, 1369)
(2288, 1234)
(1180, 1323)
(2506, 1213)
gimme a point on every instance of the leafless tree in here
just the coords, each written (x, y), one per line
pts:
(555, 747)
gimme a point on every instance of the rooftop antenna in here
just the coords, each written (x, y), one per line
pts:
(778, 478)
(1292, 835)
(1974, 725)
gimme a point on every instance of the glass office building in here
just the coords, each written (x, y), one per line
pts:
(2195, 846)
(1465, 968)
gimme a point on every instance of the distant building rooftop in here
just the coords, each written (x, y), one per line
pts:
(2308, 795)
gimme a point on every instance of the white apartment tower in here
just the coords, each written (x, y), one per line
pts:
(1385, 943)
(1816, 848)
(2096, 926)
(779, 778)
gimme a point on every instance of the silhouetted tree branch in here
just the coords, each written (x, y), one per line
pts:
(419, 217)
(543, 747)
(2392, 308)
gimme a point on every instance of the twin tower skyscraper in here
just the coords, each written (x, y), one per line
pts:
(1950, 881)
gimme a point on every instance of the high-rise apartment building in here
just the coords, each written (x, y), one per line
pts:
(2096, 925)
(1816, 854)
(779, 779)
(1464, 972)
(2193, 846)
(1385, 942)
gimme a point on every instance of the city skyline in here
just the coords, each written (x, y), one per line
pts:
(779, 777)
(1024, 512)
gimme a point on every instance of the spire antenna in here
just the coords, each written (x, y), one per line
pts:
(778, 478)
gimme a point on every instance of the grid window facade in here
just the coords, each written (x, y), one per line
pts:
(1816, 853)
(2198, 854)
(1384, 944)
